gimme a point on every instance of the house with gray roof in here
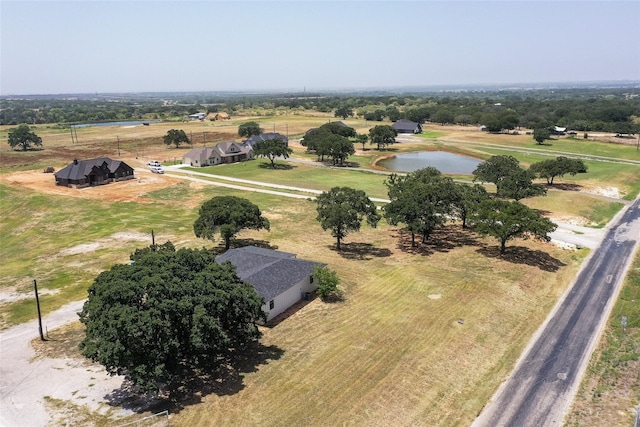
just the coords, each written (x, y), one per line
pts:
(223, 152)
(266, 136)
(278, 277)
(98, 171)
(407, 126)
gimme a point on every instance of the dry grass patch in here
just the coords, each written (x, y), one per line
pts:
(390, 354)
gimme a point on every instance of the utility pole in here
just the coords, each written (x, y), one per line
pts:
(153, 239)
(35, 288)
(204, 138)
(118, 145)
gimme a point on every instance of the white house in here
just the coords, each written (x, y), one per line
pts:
(278, 277)
(223, 152)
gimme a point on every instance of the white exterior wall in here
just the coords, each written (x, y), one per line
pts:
(288, 298)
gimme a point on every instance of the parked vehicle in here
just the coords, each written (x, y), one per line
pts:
(157, 169)
(154, 163)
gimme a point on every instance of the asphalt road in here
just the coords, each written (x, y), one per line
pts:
(545, 379)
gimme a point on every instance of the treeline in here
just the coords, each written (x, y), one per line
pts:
(610, 110)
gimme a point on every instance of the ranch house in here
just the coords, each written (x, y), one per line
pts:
(99, 171)
(407, 126)
(223, 152)
(278, 277)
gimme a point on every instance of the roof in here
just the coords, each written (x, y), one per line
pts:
(232, 148)
(266, 136)
(79, 169)
(269, 272)
(401, 125)
(199, 153)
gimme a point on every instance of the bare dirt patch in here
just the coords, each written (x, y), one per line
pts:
(125, 191)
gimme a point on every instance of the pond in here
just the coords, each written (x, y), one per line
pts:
(445, 162)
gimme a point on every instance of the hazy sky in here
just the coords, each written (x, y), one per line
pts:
(125, 46)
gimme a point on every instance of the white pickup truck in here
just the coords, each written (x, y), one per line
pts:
(154, 163)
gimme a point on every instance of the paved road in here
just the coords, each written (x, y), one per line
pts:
(543, 384)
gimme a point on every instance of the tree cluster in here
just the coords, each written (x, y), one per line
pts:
(169, 315)
(332, 140)
(425, 200)
(176, 137)
(511, 180)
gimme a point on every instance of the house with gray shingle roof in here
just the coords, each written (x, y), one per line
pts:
(251, 141)
(278, 277)
(223, 152)
(98, 171)
(407, 126)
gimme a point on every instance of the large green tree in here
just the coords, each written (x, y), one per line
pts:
(560, 166)
(249, 129)
(272, 149)
(422, 200)
(169, 316)
(382, 136)
(343, 111)
(466, 201)
(228, 215)
(519, 185)
(496, 169)
(176, 136)
(23, 137)
(342, 210)
(339, 148)
(506, 220)
(541, 134)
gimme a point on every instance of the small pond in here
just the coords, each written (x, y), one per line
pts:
(445, 162)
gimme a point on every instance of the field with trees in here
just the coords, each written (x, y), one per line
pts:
(424, 329)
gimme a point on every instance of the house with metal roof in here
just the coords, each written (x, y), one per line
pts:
(223, 152)
(98, 171)
(266, 136)
(278, 277)
(407, 126)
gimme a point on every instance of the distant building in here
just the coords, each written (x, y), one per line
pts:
(556, 130)
(198, 116)
(278, 277)
(407, 126)
(223, 152)
(98, 171)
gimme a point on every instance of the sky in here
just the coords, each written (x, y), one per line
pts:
(56, 47)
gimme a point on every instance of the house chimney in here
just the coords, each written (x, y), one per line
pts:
(75, 161)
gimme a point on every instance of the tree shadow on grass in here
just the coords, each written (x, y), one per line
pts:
(565, 187)
(361, 251)
(442, 239)
(522, 255)
(277, 166)
(196, 384)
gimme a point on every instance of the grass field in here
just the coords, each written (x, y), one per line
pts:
(423, 337)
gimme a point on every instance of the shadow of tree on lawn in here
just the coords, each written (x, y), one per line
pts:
(565, 186)
(196, 384)
(522, 255)
(239, 243)
(361, 251)
(442, 239)
(277, 166)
